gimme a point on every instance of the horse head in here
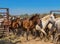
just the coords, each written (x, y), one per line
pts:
(34, 18)
(45, 21)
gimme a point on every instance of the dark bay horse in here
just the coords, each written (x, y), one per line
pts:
(29, 24)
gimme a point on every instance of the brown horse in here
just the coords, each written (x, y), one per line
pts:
(15, 24)
(29, 24)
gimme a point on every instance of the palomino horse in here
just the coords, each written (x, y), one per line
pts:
(29, 24)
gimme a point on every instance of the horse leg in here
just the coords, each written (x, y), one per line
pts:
(27, 33)
(37, 34)
(13, 30)
(41, 36)
(33, 32)
(18, 31)
(44, 34)
(9, 29)
(53, 35)
(23, 31)
(47, 31)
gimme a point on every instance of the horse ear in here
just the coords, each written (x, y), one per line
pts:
(54, 15)
(36, 15)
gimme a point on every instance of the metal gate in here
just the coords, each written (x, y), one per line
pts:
(2, 31)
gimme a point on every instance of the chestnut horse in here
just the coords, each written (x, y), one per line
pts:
(29, 24)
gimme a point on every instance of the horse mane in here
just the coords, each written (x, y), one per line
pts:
(46, 17)
(33, 16)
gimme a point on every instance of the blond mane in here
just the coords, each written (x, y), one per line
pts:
(46, 17)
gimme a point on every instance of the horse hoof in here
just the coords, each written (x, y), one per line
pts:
(45, 40)
(34, 38)
(40, 39)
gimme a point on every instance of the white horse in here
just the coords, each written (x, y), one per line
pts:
(54, 26)
(47, 21)
(57, 35)
(44, 22)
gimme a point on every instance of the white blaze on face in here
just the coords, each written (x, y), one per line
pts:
(52, 16)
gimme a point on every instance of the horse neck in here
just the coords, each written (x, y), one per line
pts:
(46, 18)
(45, 23)
(40, 23)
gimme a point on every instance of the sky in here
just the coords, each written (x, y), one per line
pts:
(17, 7)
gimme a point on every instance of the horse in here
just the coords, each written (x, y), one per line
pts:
(51, 20)
(57, 29)
(29, 24)
(46, 25)
(52, 30)
(42, 23)
(15, 25)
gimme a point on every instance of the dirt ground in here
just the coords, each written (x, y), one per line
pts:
(33, 41)
(22, 40)
(36, 42)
